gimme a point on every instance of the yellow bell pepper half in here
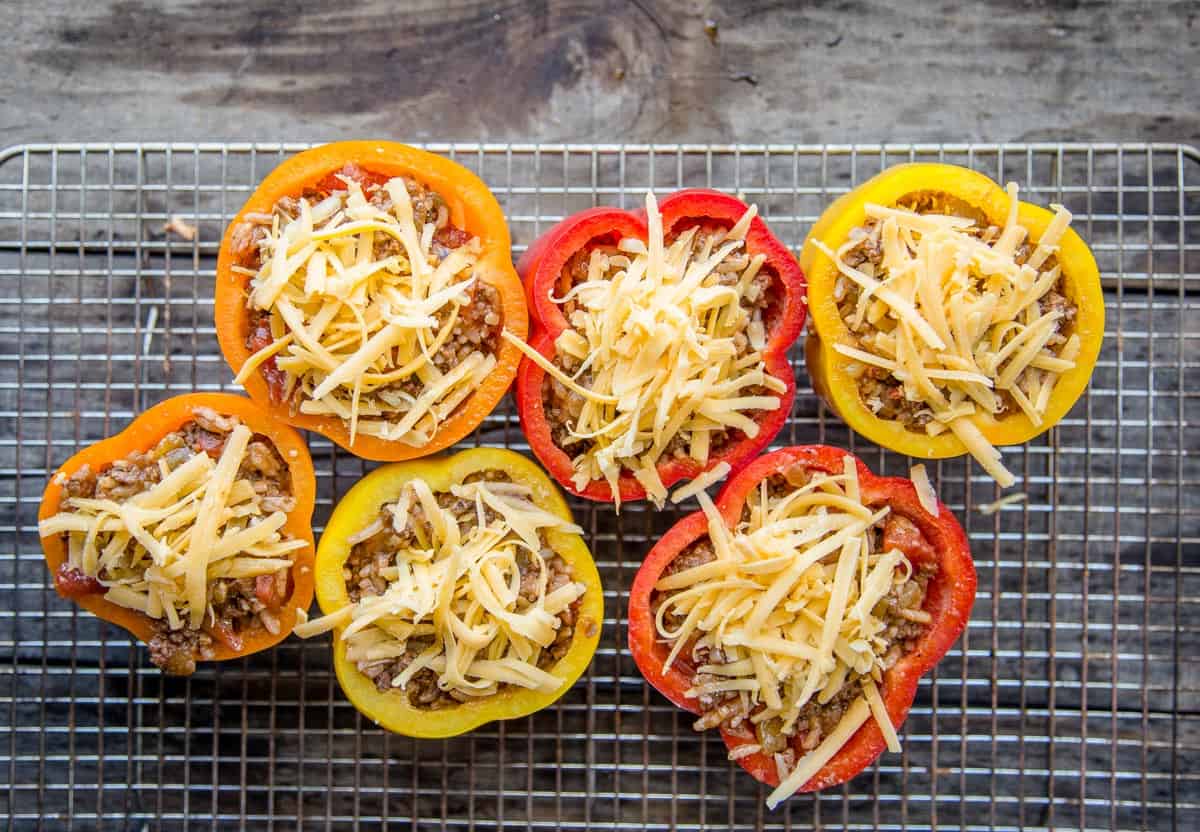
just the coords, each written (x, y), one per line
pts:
(828, 368)
(362, 504)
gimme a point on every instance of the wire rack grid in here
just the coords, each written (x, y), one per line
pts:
(1072, 701)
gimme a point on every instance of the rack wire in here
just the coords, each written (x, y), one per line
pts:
(1072, 701)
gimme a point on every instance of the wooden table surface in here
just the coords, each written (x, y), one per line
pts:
(850, 71)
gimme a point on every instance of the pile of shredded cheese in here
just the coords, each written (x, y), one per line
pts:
(349, 326)
(657, 331)
(457, 587)
(956, 319)
(157, 551)
(789, 602)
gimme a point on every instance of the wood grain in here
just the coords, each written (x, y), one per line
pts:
(850, 71)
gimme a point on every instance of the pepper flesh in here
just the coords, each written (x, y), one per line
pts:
(472, 207)
(541, 269)
(949, 596)
(142, 434)
(363, 503)
(829, 369)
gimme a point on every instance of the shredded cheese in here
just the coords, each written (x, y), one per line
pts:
(956, 316)
(925, 493)
(1006, 500)
(700, 483)
(856, 716)
(456, 596)
(789, 606)
(159, 551)
(315, 626)
(360, 300)
(882, 717)
(670, 350)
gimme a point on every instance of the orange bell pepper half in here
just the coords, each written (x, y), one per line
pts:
(142, 434)
(472, 208)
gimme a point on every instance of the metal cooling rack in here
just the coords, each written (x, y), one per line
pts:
(1073, 700)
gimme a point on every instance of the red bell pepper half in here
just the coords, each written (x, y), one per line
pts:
(922, 537)
(541, 270)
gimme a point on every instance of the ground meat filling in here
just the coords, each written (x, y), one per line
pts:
(479, 322)
(879, 389)
(241, 607)
(900, 609)
(363, 569)
(562, 406)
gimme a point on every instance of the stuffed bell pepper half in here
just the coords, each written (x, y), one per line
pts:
(459, 592)
(361, 293)
(798, 611)
(191, 529)
(949, 317)
(659, 345)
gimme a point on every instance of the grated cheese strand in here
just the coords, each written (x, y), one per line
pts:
(204, 533)
(955, 319)
(925, 493)
(999, 505)
(700, 483)
(808, 766)
(882, 717)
